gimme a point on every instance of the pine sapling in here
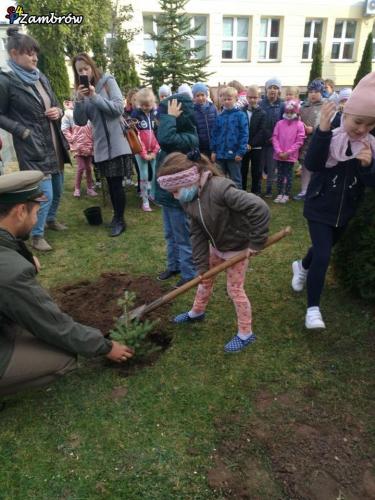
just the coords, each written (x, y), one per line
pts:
(133, 333)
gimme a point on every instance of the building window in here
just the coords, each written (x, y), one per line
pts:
(343, 40)
(313, 32)
(235, 38)
(199, 40)
(149, 28)
(269, 39)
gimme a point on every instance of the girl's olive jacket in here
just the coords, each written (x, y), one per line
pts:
(228, 218)
(25, 305)
(21, 109)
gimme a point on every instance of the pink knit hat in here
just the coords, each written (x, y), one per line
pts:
(185, 178)
(292, 106)
(362, 100)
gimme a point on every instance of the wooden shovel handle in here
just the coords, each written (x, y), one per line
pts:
(212, 272)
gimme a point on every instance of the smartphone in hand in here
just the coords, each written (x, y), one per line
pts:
(84, 80)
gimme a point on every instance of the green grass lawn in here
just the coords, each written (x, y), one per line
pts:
(158, 440)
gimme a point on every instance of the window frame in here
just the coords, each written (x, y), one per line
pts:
(311, 40)
(235, 38)
(269, 39)
(147, 36)
(196, 38)
(343, 40)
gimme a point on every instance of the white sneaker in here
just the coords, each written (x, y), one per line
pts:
(284, 199)
(314, 318)
(299, 276)
(278, 199)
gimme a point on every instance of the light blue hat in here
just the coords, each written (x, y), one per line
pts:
(199, 87)
(273, 81)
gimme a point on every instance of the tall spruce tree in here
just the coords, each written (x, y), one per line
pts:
(365, 66)
(122, 64)
(175, 62)
(316, 65)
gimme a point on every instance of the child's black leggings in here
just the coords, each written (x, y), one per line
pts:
(117, 195)
(323, 238)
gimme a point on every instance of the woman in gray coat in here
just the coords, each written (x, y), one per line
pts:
(102, 103)
(30, 112)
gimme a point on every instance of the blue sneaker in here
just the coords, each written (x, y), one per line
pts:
(236, 344)
(185, 318)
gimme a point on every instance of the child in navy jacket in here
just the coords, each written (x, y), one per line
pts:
(229, 137)
(342, 162)
(205, 114)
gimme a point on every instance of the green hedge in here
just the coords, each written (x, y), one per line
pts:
(354, 256)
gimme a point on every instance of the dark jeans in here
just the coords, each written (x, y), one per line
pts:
(117, 195)
(284, 177)
(232, 168)
(323, 238)
(255, 157)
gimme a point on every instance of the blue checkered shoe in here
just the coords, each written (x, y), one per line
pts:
(236, 344)
(185, 318)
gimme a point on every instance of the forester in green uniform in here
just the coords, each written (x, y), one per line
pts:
(38, 342)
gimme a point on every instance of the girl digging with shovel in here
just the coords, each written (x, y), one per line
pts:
(224, 222)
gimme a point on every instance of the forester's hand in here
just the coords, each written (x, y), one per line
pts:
(237, 158)
(327, 113)
(119, 352)
(174, 108)
(365, 155)
(37, 264)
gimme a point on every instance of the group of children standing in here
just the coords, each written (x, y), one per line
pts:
(270, 134)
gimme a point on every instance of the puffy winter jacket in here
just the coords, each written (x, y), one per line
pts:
(288, 137)
(79, 138)
(147, 126)
(230, 134)
(174, 134)
(21, 109)
(274, 112)
(205, 117)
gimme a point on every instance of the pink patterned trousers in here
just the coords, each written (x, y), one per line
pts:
(235, 287)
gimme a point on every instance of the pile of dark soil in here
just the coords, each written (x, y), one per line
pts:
(94, 303)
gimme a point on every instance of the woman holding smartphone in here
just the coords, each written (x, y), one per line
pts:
(99, 99)
(30, 112)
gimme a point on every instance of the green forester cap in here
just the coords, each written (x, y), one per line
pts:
(21, 187)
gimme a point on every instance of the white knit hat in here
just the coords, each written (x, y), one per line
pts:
(184, 88)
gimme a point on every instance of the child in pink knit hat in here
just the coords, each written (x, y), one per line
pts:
(287, 139)
(224, 221)
(342, 162)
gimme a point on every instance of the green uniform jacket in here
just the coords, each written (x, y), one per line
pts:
(25, 305)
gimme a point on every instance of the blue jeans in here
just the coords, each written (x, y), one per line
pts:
(233, 170)
(176, 234)
(52, 189)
